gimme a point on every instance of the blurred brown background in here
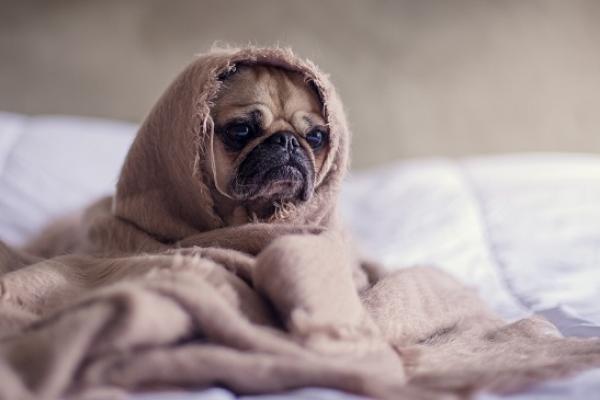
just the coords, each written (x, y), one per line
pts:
(419, 77)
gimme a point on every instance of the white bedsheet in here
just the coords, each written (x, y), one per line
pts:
(524, 230)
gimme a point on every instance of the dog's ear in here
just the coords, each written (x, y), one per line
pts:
(314, 88)
(223, 76)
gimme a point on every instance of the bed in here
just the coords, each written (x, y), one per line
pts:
(521, 229)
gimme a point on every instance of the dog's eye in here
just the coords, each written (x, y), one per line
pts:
(237, 135)
(240, 132)
(316, 138)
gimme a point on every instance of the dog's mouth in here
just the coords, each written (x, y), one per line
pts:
(285, 174)
(273, 176)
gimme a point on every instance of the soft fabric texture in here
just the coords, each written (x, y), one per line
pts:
(156, 292)
(494, 222)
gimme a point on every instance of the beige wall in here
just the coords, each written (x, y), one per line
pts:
(447, 77)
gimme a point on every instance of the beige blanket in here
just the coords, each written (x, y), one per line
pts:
(150, 289)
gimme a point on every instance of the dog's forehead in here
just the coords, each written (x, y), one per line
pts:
(282, 91)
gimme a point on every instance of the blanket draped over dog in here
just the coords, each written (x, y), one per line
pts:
(150, 289)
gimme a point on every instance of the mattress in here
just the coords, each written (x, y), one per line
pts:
(521, 229)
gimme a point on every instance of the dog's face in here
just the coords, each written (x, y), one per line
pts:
(270, 138)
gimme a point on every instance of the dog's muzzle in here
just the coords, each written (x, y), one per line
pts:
(279, 160)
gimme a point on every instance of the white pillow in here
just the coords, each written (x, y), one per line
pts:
(50, 165)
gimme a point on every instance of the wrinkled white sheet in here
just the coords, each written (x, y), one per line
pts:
(523, 230)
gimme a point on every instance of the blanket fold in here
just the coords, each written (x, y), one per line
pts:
(152, 289)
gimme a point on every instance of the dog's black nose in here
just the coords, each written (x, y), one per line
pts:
(285, 139)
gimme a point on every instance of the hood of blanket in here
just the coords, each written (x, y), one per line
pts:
(166, 187)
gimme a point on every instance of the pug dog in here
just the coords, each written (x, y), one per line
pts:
(270, 142)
